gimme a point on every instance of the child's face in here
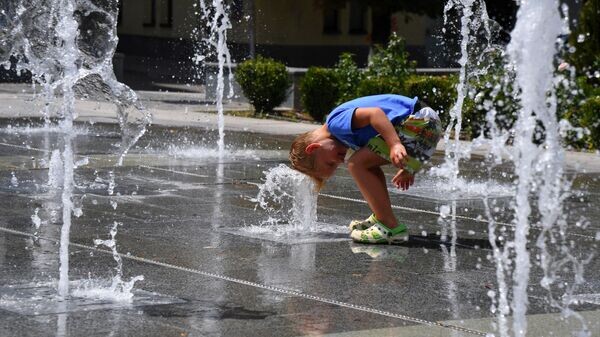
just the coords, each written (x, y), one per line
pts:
(328, 156)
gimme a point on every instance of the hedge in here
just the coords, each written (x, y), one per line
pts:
(379, 85)
(349, 77)
(320, 92)
(588, 117)
(436, 91)
(264, 81)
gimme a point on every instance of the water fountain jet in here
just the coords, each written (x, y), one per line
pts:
(53, 40)
(541, 185)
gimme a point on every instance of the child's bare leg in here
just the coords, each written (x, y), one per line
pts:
(365, 167)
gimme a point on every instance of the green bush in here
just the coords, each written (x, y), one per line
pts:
(379, 85)
(584, 118)
(320, 92)
(577, 101)
(388, 69)
(349, 77)
(436, 91)
(265, 82)
(391, 61)
(589, 86)
(589, 118)
(490, 90)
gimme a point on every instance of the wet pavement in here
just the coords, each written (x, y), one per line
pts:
(184, 218)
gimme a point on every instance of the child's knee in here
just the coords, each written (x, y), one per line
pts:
(353, 164)
(357, 162)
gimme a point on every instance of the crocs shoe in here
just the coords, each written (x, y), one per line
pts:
(362, 224)
(379, 233)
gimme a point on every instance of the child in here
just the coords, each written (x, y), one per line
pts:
(381, 129)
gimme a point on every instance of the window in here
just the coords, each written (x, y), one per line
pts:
(358, 17)
(166, 13)
(149, 13)
(331, 21)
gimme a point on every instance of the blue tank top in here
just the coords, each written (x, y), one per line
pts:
(339, 122)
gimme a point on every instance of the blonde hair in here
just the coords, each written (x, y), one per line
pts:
(302, 161)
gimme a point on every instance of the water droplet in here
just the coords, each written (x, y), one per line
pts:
(36, 219)
(444, 211)
(13, 180)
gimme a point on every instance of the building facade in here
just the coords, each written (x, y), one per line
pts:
(160, 37)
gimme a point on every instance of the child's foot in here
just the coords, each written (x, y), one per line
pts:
(379, 233)
(362, 224)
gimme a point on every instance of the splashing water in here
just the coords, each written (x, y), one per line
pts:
(35, 218)
(118, 290)
(14, 181)
(230, 153)
(540, 187)
(539, 167)
(55, 170)
(473, 15)
(218, 23)
(436, 185)
(289, 199)
(67, 46)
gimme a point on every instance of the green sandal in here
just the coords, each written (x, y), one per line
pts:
(362, 224)
(379, 233)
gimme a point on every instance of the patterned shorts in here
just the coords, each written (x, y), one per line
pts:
(419, 133)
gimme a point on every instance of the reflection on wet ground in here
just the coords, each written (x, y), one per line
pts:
(189, 226)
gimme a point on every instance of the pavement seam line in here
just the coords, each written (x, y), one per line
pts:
(25, 147)
(178, 172)
(281, 290)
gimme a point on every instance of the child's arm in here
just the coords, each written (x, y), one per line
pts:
(377, 118)
(403, 179)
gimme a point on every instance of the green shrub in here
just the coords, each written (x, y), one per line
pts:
(320, 92)
(436, 91)
(388, 69)
(589, 86)
(577, 102)
(391, 61)
(379, 85)
(349, 77)
(265, 82)
(480, 102)
(490, 90)
(589, 118)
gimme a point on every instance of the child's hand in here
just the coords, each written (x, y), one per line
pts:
(397, 155)
(403, 179)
